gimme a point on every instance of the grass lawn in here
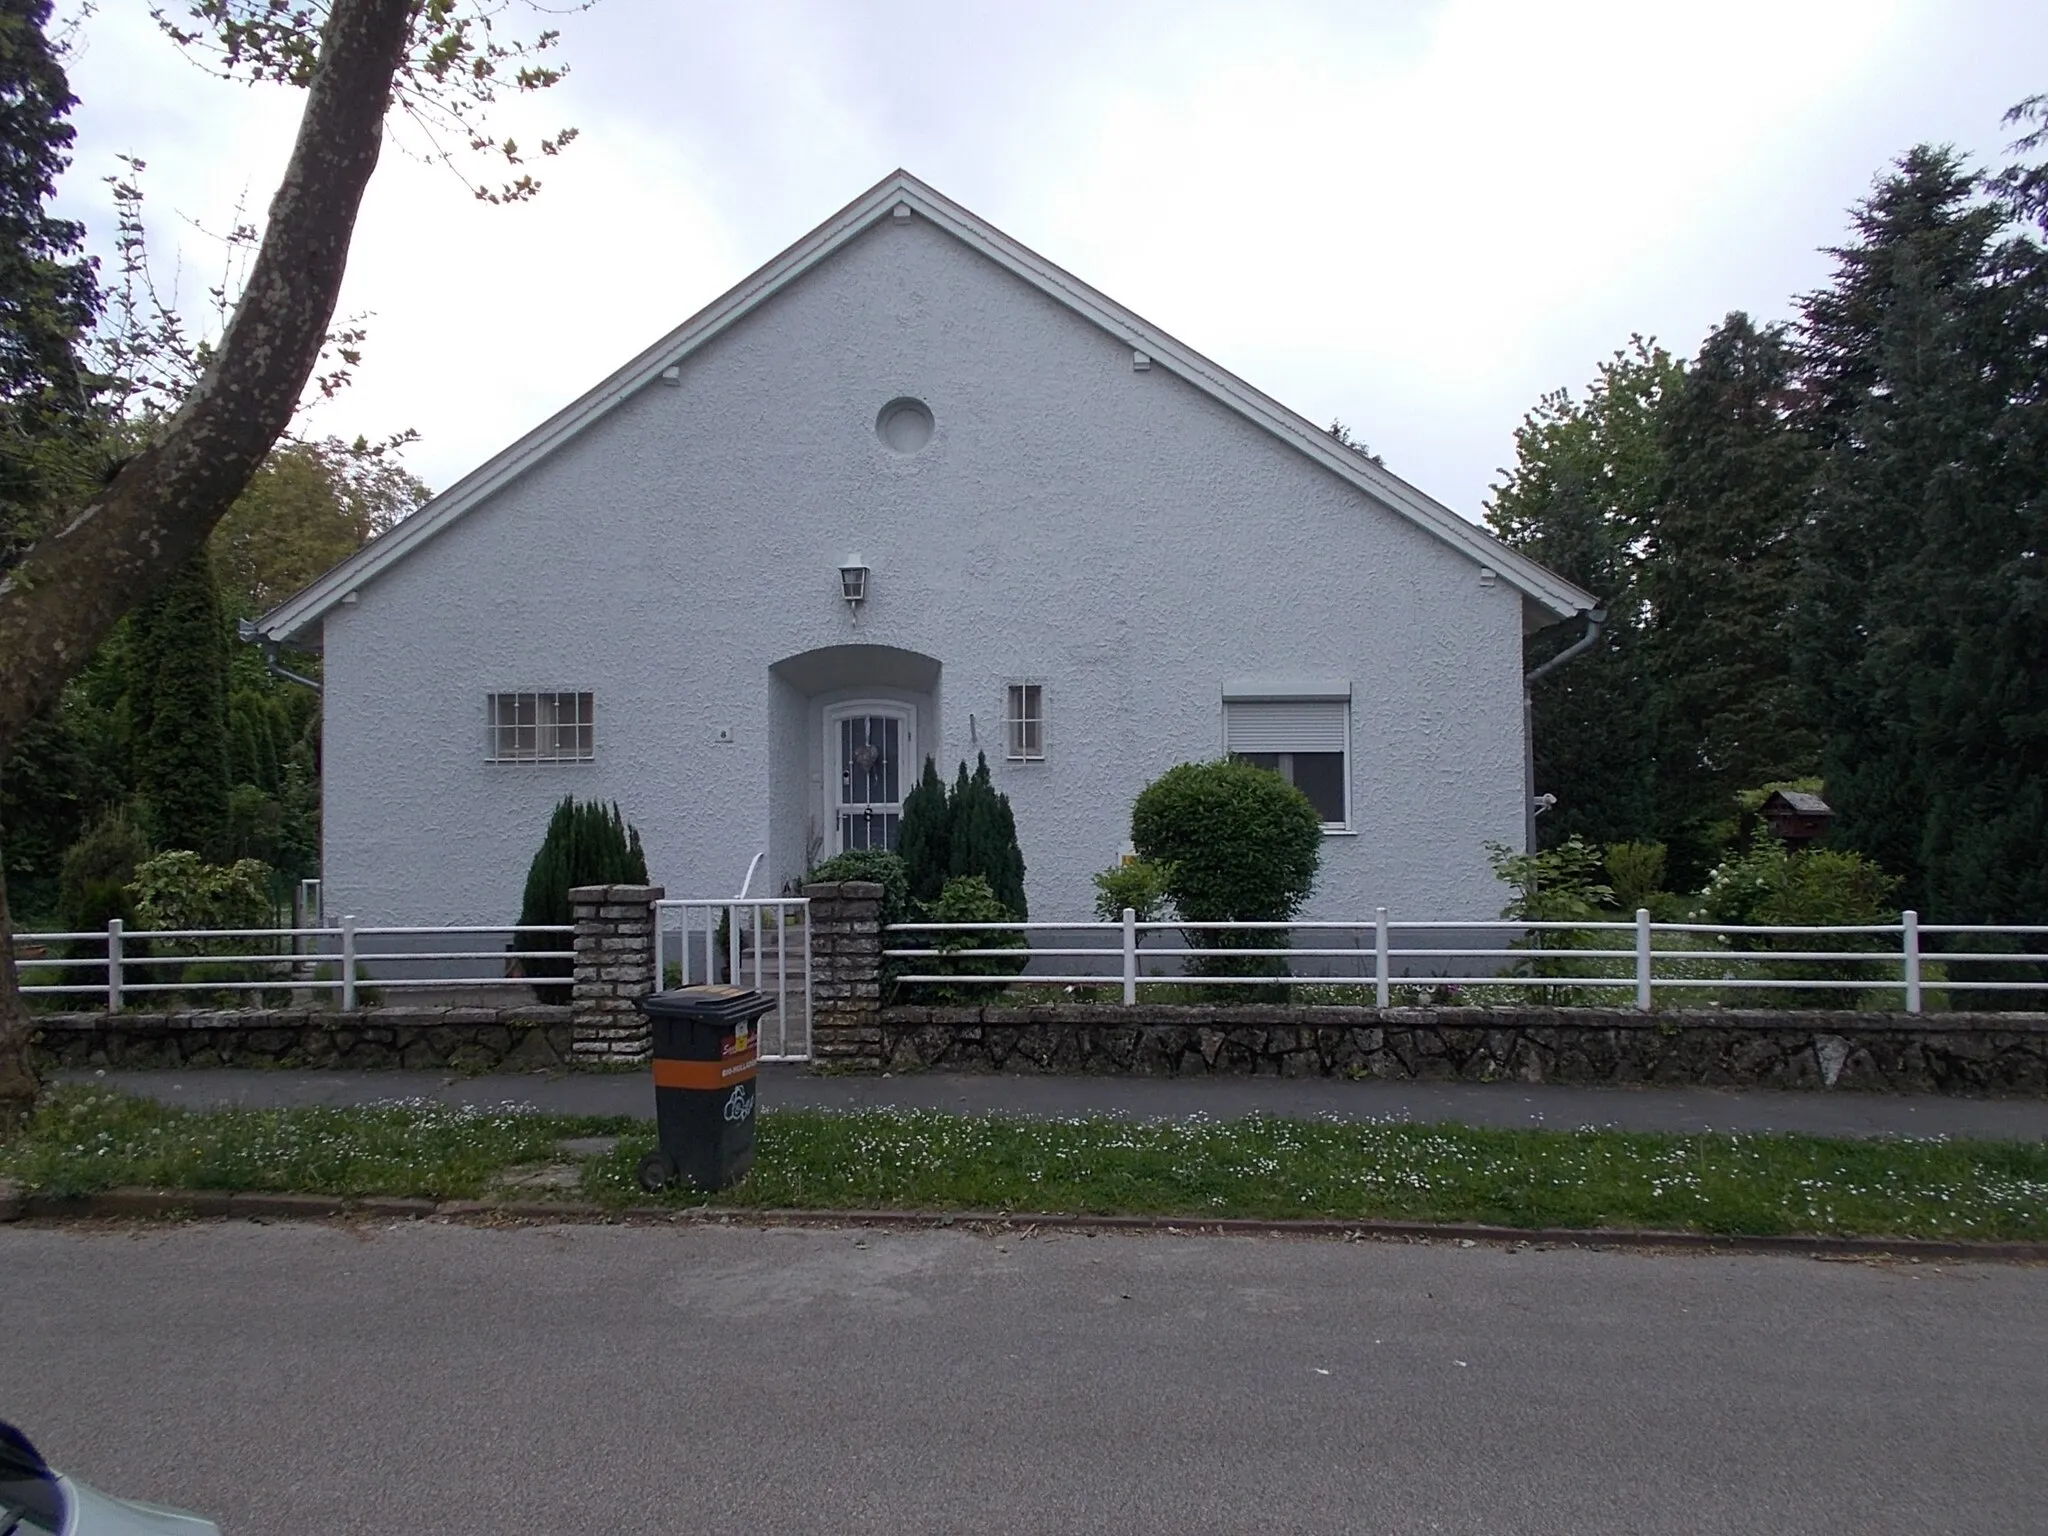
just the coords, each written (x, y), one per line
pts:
(90, 1139)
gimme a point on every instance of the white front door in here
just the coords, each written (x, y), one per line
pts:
(869, 748)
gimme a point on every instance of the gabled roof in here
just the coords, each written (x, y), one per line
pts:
(1538, 585)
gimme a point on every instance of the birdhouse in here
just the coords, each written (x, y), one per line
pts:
(1795, 816)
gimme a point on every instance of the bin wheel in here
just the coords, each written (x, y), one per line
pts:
(656, 1172)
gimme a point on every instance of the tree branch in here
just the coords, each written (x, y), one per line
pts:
(67, 593)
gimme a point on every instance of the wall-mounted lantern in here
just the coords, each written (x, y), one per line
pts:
(853, 584)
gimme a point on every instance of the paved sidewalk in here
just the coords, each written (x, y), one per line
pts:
(1555, 1106)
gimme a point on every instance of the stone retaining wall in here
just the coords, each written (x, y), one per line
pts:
(2003, 1053)
(524, 1039)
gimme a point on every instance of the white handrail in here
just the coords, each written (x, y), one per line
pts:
(1728, 965)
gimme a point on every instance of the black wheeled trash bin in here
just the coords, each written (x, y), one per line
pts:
(705, 1054)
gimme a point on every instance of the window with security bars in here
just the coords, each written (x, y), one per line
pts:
(1306, 741)
(541, 728)
(1024, 723)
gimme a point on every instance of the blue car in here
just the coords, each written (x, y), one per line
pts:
(36, 1500)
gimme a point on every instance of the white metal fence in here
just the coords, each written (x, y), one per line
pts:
(346, 961)
(763, 942)
(1554, 961)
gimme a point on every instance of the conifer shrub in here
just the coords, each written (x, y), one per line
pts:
(925, 841)
(587, 843)
(984, 835)
(967, 830)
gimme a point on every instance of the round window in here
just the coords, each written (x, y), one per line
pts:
(905, 425)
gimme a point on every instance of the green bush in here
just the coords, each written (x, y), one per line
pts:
(879, 867)
(971, 899)
(1236, 843)
(1557, 885)
(1138, 884)
(106, 856)
(1772, 885)
(587, 843)
(1636, 872)
(179, 890)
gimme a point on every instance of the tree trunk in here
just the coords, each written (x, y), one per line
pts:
(67, 593)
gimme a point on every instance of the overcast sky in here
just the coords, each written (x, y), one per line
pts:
(1415, 217)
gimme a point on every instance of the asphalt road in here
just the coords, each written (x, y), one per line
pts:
(434, 1378)
(1555, 1105)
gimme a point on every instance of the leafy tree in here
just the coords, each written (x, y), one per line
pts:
(587, 843)
(1719, 581)
(68, 589)
(1238, 843)
(309, 507)
(1581, 499)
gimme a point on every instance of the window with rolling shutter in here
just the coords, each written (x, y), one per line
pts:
(1306, 740)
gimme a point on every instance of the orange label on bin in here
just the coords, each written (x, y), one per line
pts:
(705, 1075)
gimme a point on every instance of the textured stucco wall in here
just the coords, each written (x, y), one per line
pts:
(1114, 535)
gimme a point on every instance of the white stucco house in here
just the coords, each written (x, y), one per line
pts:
(1077, 546)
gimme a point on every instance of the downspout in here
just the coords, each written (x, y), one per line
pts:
(1596, 621)
(246, 628)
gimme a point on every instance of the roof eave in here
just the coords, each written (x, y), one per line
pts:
(293, 617)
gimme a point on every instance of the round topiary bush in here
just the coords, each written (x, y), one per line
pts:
(1237, 843)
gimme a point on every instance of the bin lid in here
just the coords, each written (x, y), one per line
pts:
(707, 1005)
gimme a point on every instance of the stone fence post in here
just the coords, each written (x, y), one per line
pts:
(614, 968)
(845, 918)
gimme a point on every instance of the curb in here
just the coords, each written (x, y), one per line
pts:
(252, 1206)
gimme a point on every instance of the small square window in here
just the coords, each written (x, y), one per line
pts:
(1024, 723)
(540, 728)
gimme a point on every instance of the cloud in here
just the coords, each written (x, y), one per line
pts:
(1417, 217)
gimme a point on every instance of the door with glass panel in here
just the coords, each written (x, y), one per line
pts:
(869, 750)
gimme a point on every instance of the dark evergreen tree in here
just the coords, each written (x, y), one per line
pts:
(587, 843)
(255, 725)
(1718, 580)
(1985, 841)
(1580, 499)
(48, 296)
(44, 801)
(1918, 537)
(984, 836)
(178, 665)
(925, 839)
